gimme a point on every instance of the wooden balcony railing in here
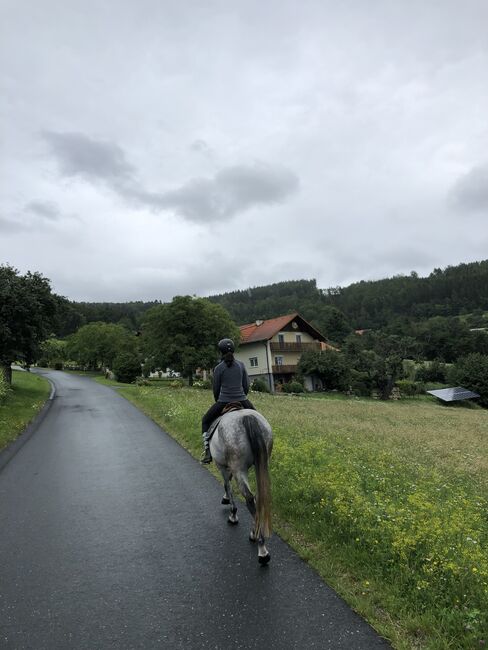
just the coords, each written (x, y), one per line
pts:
(284, 370)
(294, 347)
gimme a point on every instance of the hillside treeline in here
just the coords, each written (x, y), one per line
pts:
(369, 304)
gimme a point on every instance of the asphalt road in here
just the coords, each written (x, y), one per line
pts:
(113, 536)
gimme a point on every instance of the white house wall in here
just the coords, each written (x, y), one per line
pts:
(258, 350)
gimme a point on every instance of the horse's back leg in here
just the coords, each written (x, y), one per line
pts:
(245, 490)
(228, 495)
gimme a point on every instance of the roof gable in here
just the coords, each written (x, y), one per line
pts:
(266, 329)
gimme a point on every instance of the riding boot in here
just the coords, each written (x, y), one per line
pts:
(206, 456)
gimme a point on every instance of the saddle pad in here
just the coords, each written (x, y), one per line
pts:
(232, 406)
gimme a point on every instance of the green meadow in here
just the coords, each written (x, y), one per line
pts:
(23, 401)
(388, 501)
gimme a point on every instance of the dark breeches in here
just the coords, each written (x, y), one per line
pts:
(216, 409)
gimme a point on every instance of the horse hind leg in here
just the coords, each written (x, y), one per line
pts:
(228, 497)
(228, 491)
(250, 503)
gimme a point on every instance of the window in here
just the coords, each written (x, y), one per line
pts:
(299, 338)
(254, 362)
(278, 361)
(281, 339)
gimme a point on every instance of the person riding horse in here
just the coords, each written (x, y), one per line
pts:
(230, 384)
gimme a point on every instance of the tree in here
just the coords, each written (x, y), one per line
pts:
(97, 344)
(184, 333)
(329, 365)
(53, 351)
(472, 372)
(127, 367)
(27, 316)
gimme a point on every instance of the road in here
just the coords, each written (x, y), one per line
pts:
(113, 536)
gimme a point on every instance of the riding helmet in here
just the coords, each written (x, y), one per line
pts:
(226, 345)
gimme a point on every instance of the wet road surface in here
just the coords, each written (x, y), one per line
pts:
(113, 536)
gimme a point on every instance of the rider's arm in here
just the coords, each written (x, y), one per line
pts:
(217, 382)
(245, 379)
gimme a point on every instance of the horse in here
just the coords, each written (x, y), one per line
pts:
(241, 439)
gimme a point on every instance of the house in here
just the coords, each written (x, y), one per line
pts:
(271, 349)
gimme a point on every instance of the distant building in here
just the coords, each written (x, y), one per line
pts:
(270, 349)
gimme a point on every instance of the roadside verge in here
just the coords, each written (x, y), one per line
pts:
(12, 448)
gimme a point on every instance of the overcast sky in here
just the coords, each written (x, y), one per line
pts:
(152, 148)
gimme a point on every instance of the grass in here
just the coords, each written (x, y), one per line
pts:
(387, 500)
(28, 395)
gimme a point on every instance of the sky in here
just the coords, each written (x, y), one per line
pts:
(153, 148)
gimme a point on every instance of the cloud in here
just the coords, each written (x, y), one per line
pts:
(44, 209)
(93, 160)
(231, 191)
(471, 190)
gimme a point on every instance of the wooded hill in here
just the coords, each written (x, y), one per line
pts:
(453, 291)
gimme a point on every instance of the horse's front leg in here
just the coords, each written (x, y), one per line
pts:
(228, 497)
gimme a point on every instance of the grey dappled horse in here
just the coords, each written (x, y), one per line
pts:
(243, 438)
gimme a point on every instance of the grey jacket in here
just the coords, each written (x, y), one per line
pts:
(230, 384)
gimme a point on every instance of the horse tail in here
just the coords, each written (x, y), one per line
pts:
(263, 483)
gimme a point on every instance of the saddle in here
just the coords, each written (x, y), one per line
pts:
(228, 408)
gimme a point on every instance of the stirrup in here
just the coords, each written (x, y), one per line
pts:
(206, 457)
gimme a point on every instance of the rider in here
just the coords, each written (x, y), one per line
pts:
(230, 384)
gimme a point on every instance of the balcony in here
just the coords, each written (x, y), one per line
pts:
(294, 347)
(284, 370)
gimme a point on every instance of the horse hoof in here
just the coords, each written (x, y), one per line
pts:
(264, 559)
(225, 501)
(233, 522)
(252, 537)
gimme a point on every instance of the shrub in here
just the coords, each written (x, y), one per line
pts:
(142, 381)
(432, 372)
(126, 367)
(4, 387)
(472, 372)
(260, 386)
(409, 388)
(293, 387)
(176, 383)
(58, 365)
(202, 383)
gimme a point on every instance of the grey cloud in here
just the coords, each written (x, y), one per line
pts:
(94, 160)
(471, 190)
(231, 191)
(45, 209)
(8, 225)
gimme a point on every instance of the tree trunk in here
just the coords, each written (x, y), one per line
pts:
(190, 378)
(6, 370)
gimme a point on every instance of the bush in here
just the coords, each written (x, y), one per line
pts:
(126, 367)
(202, 383)
(260, 386)
(293, 387)
(58, 365)
(472, 372)
(142, 381)
(4, 387)
(432, 372)
(176, 383)
(409, 388)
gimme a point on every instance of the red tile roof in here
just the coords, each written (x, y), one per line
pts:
(268, 328)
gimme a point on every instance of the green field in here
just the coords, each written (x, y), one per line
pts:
(28, 395)
(387, 500)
